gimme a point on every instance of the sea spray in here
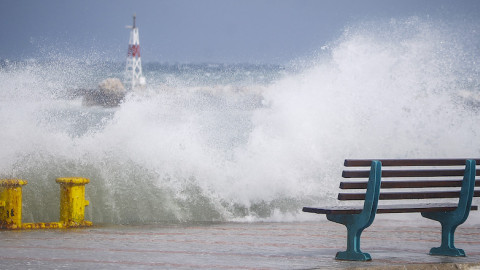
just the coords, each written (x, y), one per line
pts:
(191, 149)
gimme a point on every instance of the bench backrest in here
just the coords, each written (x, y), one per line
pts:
(420, 176)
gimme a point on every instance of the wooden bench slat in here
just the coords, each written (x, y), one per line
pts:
(406, 173)
(406, 195)
(407, 184)
(407, 162)
(383, 209)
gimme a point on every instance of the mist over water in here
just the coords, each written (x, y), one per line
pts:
(246, 143)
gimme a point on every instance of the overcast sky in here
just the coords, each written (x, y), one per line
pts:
(194, 31)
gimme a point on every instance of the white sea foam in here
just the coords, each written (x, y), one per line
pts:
(255, 152)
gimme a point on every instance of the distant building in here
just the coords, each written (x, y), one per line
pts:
(133, 69)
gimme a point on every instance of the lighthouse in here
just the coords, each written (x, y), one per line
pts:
(133, 69)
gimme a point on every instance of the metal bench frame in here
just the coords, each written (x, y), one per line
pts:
(449, 217)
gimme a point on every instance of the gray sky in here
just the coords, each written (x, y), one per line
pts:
(196, 31)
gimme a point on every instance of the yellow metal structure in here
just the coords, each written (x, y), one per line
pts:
(11, 203)
(72, 201)
(72, 204)
(43, 225)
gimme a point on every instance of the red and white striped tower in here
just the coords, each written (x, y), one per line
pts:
(133, 69)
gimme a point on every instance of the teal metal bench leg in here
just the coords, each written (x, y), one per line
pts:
(356, 223)
(353, 252)
(451, 220)
(448, 248)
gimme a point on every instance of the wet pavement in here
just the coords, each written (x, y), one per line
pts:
(393, 244)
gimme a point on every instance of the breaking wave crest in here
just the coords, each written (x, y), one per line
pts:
(256, 151)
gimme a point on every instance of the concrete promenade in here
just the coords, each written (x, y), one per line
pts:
(397, 244)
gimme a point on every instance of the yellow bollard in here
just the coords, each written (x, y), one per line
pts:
(11, 203)
(72, 201)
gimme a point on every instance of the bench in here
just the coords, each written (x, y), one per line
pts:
(409, 180)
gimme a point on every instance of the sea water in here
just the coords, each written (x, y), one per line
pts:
(240, 142)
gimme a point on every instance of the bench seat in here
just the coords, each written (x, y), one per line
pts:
(383, 209)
